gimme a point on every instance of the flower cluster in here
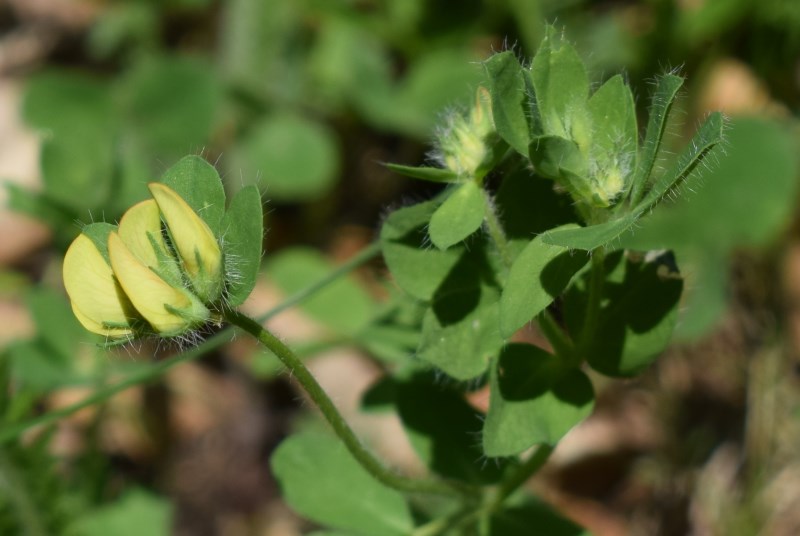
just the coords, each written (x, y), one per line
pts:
(158, 272)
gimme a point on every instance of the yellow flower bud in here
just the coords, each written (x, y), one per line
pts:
(140, 231)
(97, 299)
(169, 310)
(197, 247)
(468, 144)
(139, 225)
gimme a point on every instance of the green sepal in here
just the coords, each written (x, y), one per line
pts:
(98, 234)
(701, 144)
(661, 103)
(242, 237)
(431, 174)
(199, 184)
(168, 268)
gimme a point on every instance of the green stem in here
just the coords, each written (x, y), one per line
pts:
(522, 474)
(303, 376)
(442, 525)
(12, 431)
(562, 345)
(596, 281)
(482, 515)
(496, 232)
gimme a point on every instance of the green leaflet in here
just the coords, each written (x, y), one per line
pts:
(459, 216)
(321, 480)
(242, 237)
(540, 274)
(512, 107)
(198, 183)
(534, 399)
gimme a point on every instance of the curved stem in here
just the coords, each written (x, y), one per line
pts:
(367, 460)
(9, 432)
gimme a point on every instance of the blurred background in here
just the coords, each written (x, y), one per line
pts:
(307, 98)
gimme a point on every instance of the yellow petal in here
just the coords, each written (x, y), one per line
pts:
(150, 294)
(197, 246)
(95, 327)
(139, 220)
(92, 288)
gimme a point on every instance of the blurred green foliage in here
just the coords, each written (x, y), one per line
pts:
(283, 93)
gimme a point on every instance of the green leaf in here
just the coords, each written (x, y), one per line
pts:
(561, 159)
(538, 276)
(61, 101)
(77, 169)
(534, 399)
(39, 206)
(461, 331)
(395, 334)
(555, 157)
(136, 513)
(640, 306)
(437, 79)
(321, 480)
(706, 138)
(661, 103)
(442, 426)
(425, 173)
(77, 155)
(590, 237)
(199, 184)
(512, 108)
(459, 216)
(35, 365)
(296, 159)
(242, 237)
(171, 103)
(760, 166)
(614, 133)
(515, 198)
(416, 267)
(349, 64)
(56, 325)
(344, 306)
(517, 521)
(562, 89)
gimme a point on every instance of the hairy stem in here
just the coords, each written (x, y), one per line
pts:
(367, 460)
(496, 232)
(10, 432)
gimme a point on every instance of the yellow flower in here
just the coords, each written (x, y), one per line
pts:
(140, 231)
(196, 245)
(97, 299)
(169, 310)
